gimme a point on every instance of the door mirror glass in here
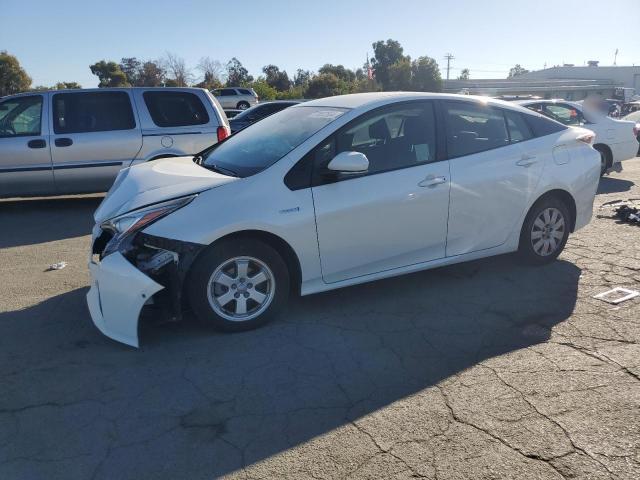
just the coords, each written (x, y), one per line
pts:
(349, 162)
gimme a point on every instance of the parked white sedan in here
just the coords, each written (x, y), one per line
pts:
(331, 193)
(615, 139)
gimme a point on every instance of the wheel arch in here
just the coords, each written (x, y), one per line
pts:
(280, 245)
(565, 197)
(606, 149)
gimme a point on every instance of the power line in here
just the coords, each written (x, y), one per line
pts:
(449, 57)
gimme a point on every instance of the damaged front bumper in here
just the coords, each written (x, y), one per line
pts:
(118, 292)
(124, 281)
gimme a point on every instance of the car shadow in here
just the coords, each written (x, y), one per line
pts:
(193, 403)
(613, 185)
(42, 220)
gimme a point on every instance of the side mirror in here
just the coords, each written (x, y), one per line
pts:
(349, 162)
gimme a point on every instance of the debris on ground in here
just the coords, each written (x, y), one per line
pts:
(617, 295)
(628, 214)
(56, 266)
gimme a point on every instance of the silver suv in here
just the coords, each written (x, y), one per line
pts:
(239, 98)
(76, 141)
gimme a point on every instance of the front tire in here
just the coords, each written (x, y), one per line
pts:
(545, 232)
(238, 285)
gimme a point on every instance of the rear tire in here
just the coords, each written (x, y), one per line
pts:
(606, 161)
(545, 232)
(243, 105)
(238, 285)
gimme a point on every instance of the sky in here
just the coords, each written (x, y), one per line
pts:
(57, 41)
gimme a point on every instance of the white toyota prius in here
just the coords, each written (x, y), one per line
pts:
(331, 193)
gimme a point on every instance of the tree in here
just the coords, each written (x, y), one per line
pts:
(517, 71)
(67, 85)
(385, 54)
(399, 75)
(237, 75)
(131, 66)
(301, 78)
(151, 74)
(325, 85)
(212, 72)
(339, 71)
(13, 78)
(264, 90)
(109, 73)
(276, 78)
(177, 68)
(425, 75)
(464, 74)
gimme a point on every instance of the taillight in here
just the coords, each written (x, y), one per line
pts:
(587, 138)
(223, 132)
(636, 130)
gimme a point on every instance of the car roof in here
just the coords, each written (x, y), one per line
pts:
(109, 89)
(525, 103)
(365, 101)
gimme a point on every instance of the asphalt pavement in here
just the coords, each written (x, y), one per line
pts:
(486, 370)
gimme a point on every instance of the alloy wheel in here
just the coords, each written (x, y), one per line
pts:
(241, 288)
(547, 232)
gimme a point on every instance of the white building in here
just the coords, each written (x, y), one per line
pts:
(628, 77)
(568, 82)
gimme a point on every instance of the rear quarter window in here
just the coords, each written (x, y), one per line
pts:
(541, 126)
(175, 109)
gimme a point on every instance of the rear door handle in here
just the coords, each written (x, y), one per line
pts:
(432, 181)
(63, 142)
(527, 161)
(38, 143)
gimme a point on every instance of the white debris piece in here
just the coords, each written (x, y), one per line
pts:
(57, 266)
(617, 295)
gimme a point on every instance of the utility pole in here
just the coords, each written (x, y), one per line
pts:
(615, 57)
(449, 57)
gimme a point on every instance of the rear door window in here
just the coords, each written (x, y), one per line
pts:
(92, 112)
(175, 109)
(244, 91)
(20, 117)
(227, 92)
(518, 129)
(473, 128)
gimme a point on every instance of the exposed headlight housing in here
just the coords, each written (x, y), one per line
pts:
(124, 226)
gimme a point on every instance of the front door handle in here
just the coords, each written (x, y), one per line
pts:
(63, 142)
(527, 161)
(432, 181)
(38, 143)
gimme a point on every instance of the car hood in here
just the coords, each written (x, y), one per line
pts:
(154, 182)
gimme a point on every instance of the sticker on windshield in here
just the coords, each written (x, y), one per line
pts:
(329, 114)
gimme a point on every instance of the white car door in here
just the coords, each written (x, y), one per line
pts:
(494, 172)
(396, 213)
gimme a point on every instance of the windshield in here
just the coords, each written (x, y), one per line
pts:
(253, 149)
